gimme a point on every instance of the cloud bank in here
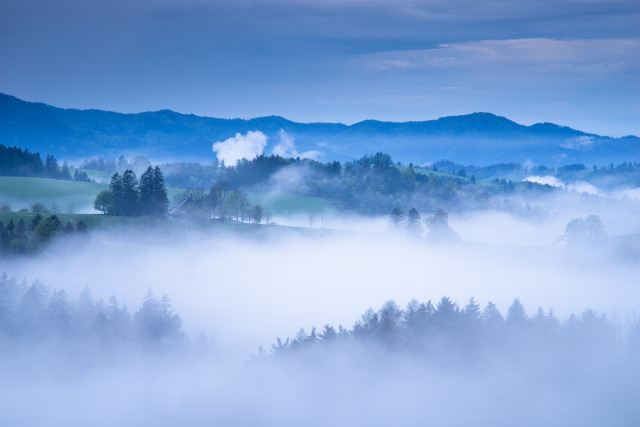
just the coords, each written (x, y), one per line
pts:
(240, 147)
(287, 148)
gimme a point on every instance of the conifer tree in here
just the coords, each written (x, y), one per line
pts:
(21, 231)
(516, 314)
(35, 221)
(130, 193)
(396, 219)
(161, 201)
(414, 227)
(10, 228)
(116, 190)
(147, 190)
(4, 237)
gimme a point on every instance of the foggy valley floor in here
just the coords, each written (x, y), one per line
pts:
(243, 293)
(341, 213)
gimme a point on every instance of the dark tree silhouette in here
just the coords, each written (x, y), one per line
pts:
(439, 230)
(414, 226)
(396, 219)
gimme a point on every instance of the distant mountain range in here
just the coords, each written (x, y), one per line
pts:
(478, 138)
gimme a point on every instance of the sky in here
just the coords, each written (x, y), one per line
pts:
(570, 62)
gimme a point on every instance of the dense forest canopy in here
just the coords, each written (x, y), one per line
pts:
(375, 184)
(16, 161)
(445, 330)
(36, 315)
(128, 196)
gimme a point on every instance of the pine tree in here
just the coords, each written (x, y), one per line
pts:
(4, 237)
(147, 192)
(6, 302)
(472, 311)
(35, 221)
(64, 173)
(414, 227)
(396, 219)
(130, 195)
(10, 228)
(59, 313)
(516, 314)
(21, 231)
(116, 190)
(491, 315)
(161, 202)
(51, 166)
(328, 333)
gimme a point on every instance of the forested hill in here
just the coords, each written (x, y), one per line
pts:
(479, 138)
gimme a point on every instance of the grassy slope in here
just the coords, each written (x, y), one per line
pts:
(290, 204)
(68, 196)
(71, 196)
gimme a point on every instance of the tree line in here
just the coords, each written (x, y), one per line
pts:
(436, 224)
(219, 203)
(373, 184)
(15, 161)
(35, 314)
(445, 330)
(23, 237)
(127, 196)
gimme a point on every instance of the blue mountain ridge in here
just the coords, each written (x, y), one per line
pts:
(478, 138)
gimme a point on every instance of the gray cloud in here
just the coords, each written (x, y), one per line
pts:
(252, 58)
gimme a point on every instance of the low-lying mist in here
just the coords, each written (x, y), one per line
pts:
(245, 287)
(265, 286)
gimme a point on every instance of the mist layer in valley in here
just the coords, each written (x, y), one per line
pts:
(238, 292)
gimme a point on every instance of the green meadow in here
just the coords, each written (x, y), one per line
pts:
(285, 204)
(62, 196)
(77, 197)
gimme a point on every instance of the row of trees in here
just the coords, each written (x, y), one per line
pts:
(372, 184)
(585, 231)
(23, 237)
(129, 197)
(447, 330)
(436, 224)
(36, 314)
(578, 231)
(15, 161)
(220, 202)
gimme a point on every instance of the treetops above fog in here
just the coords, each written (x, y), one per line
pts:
(34, 314)
(23, 237)
(447, 331)
(129, 197)
(578, 231)
(436, 224)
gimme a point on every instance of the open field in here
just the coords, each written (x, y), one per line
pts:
(63, 196)
(77, 197)
(55, 194)
(291, 204)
